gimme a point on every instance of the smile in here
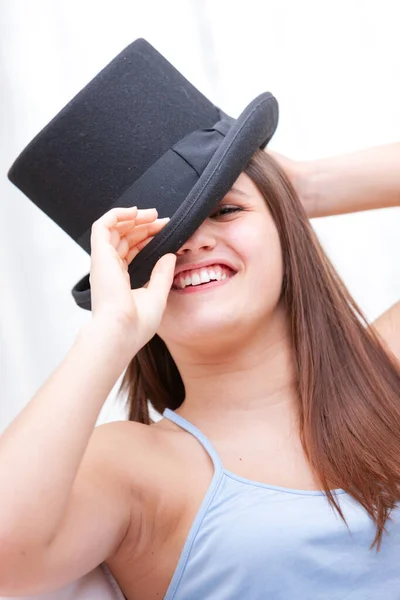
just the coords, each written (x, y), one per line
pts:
(203, 287)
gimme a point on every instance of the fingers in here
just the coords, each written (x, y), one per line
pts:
(141, 231)
(125, 226)
(115, 215)
(143, 216)
(136, 225)
(140, 236)
(123, 248)
(120, 217)
(119, 221)
(134, 251)
(103, 229)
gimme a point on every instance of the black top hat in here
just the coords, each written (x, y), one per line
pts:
(139, 134)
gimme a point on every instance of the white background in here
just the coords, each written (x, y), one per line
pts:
(333, 66)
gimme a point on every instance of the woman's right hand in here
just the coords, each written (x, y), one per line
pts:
(116, 238)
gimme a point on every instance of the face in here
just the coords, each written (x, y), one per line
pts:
(241, 231)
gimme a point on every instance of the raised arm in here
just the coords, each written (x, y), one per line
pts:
(353, 182)
(65, 498)
(64, 504)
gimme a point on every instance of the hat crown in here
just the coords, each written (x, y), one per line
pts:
(108, 135)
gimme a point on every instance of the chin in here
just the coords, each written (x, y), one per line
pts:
(211, 324)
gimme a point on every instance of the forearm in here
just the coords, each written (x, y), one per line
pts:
(41, 450)
(364, 180)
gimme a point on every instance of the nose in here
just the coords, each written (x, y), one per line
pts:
(202, 239)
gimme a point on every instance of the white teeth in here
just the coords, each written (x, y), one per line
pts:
(203, 276)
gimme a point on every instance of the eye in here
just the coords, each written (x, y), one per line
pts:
(225, 210)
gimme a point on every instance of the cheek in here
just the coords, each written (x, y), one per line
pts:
(261, 253)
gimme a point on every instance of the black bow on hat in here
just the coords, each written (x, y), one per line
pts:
(140, 134)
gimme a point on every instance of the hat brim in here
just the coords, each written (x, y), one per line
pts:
(252, 130)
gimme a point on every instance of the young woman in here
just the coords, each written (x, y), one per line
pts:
(275, 471)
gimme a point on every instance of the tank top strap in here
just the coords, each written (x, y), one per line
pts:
(204, 441)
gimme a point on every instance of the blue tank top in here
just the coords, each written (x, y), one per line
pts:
(253, 541)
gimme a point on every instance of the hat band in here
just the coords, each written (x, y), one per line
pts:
(166, 184)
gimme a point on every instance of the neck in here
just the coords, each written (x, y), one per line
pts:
(246, 381)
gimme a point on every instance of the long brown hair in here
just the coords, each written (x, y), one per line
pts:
(347, 382)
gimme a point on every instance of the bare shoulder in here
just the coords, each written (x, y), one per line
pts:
(133, 448)
(132, 433)
(387, 325)
(147, 458)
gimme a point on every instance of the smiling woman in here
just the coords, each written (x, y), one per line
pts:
(341, 383)
(279, 401)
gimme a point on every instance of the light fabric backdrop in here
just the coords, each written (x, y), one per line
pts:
(333, 66)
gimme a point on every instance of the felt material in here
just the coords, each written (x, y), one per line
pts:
(139, 133)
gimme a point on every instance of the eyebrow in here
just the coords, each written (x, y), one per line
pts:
(238, 192)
